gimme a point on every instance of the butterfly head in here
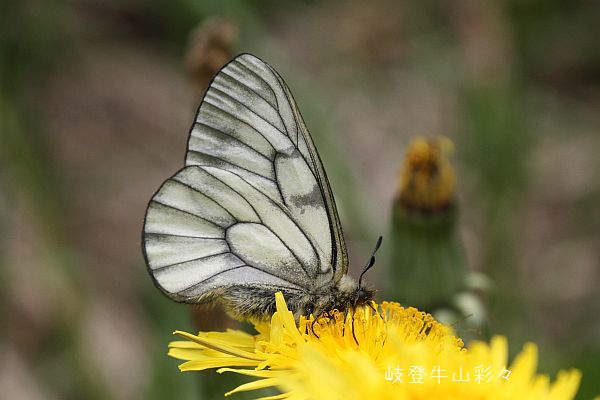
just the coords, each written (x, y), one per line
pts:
(353, 295)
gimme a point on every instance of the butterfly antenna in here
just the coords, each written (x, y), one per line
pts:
(371, 260)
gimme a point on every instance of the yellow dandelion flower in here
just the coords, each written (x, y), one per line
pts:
(384, 352)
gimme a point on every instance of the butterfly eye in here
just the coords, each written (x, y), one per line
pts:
(361, 295)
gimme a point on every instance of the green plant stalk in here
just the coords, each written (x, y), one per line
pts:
(426, 262)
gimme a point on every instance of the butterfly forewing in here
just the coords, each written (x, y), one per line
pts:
(307, 147)
(253, 206)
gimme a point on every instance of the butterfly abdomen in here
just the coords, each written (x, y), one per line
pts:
(244, 302)
(250, 303)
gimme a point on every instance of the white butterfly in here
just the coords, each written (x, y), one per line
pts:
(251, 213)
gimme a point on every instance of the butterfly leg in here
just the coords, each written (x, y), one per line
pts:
(323, 314)
(370, 304)
(353, 334)
(312, 328)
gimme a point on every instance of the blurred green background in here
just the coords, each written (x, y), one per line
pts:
(96, 99)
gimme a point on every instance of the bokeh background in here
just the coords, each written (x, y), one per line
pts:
(96, 100)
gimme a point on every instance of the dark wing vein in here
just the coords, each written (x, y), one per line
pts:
(223, 94)
(163, 235)
(230, 163)
(175, 178)
(185, 212)
(190, 260)
(283, 209)
(236, 80)
(195, 285)
(251, 71)
(233, 138)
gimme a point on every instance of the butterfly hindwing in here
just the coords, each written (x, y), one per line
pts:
(200, 233)
(253, 205)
